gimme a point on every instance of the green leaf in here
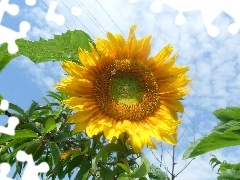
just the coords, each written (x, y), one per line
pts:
(156, 173)
(106, 173)
(12, 143)
(143, 169)
(5, 60)
(60, 137)
(228, 114)
(105, 150)
(20, 148)
(84, 170)
(57, 95)
(16, 108)
(32, 108)
(61, 47)
(49, 125)
(228, 136)
(229, 174)
(28, 126)
(18, 134)
(55, 151)
(36, 150)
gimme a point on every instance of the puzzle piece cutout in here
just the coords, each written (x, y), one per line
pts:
(59, 19)
(12, 121)
(209, 10)
(4, 170)
(31, 170)
(76, 11)
(8, 35)
(30, 2)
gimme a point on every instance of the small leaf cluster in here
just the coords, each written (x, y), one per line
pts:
(225, 134)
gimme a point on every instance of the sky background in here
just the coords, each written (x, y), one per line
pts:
(213, 62)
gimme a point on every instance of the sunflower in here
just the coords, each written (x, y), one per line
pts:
(119, 90)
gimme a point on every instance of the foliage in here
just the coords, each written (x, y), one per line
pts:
(61, 47)
(44, 133)
(225, 134)
(226, 170)
(157, 174)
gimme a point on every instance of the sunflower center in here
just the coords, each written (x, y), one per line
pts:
(126, 89)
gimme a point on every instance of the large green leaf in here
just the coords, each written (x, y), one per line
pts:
(224, 135)
(18, 134)
(228, 114)
(49, 125)
(61, 47)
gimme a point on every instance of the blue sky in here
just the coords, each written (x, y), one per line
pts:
(214, 63)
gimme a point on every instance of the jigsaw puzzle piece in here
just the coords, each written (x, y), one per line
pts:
(4, 170)
(12, 9)
(9, 36)
(4, 105)
(76, 11)
(31, 170)
(12, 121)
(30, 2)
(59, 19)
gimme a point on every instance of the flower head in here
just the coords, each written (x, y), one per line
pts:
(119, 89)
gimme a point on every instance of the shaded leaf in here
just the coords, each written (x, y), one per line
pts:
(84, 170)
(105, 150)
(55, 151)
(143, 169)
(60, 137)
(106, 173)
(36, 149)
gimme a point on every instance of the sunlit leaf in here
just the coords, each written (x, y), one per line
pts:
(16, 108)
(228, 114)
(229, 136)
(61, 47)
(49, 125)
(18, 134)
(5, 60)
(156, 173)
